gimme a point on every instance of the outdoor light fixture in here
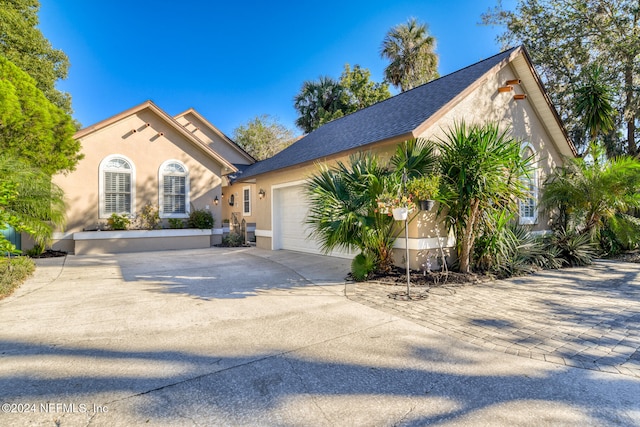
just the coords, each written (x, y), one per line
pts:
(261, 194)
(216, 201)
(222, 196)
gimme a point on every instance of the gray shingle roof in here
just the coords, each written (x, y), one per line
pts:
(390, 118)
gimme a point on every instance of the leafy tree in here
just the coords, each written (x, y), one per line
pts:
(586, 195)
(324, 100)
(29, 202)
(359, 90)
(319, 102)
(481, 170)
(565, 37)
(263, 136)
(410, 50)
(31, 127)
(24, 44)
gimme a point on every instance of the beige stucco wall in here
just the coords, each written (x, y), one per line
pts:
(256, 204)
(204, 132)
(483, 104)
(147, 150)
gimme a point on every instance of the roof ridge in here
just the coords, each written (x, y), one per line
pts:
(424, 84)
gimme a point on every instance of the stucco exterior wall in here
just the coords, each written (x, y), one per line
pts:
(203, 132)
(147, 148)
(256, 205)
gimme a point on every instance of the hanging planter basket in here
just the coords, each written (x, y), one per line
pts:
(400, 214)
(426, 205)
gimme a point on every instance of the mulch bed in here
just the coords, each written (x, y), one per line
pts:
(397, 276)
(49, 253)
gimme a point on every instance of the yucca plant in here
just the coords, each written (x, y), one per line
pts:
(574, 248)
(481, 168)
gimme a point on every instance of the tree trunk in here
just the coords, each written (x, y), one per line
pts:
(466, 246)
(629, 112)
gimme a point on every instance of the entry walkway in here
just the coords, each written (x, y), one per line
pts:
(581, 317)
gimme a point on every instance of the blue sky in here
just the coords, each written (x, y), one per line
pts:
(232, 61)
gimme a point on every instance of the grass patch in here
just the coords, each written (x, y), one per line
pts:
(13, 272)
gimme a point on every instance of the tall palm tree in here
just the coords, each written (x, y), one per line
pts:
(410, 50)
(481, 169)
(318, 102)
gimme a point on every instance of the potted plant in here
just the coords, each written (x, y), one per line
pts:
(424, 189)
(397, 205)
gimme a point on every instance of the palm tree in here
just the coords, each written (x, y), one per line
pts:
(481, 170)
(318, 102)
(593, 101)
(410, 50)
(28, 201)
(342, 208)
(585, 195)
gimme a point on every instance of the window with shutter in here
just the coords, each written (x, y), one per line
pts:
(174, 189)
(529, 205)
(246, 201)
(116, 186)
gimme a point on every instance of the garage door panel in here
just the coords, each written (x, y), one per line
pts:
(290, 214)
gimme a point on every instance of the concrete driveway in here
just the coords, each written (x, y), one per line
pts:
(250, 337)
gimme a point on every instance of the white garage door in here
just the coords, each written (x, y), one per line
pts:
(290, 232)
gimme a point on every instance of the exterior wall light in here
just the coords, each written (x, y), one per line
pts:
(216, 201)
(261, 194)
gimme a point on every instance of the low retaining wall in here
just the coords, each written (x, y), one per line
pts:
(109, 242)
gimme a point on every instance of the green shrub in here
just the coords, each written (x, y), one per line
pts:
(575, 249)
(13, 272)
(233, 240)
(118, 222)
(362, 266)
(176, 223)
(35, 251)
(149, 217)
(200, 218)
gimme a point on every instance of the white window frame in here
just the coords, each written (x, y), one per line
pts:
(246, 201)
(187, 189)
(101, 183)
(532, 182)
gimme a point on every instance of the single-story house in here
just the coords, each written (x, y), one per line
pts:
(144, 156)
(503, 88)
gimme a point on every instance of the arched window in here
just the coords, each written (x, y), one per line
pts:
(174, 189)
(117, 186)
(529, 205)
